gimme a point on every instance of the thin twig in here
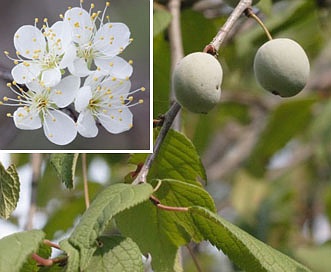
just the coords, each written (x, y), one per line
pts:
(194, 258)
(226, 28)
(176, 47)
(36, 161)
(168, 120)
(86, 192)
(175, 34)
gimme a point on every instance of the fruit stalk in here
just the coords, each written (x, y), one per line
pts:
(249, 13)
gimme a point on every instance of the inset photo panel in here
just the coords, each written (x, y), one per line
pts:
(76, 76)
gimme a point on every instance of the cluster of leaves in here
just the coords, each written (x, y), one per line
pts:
(122, 222)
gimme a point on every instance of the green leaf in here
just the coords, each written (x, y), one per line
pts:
(161, 232)
(31, 265)
(161, 20)
(244, 250)
(285, 122)
(73, 256)
(177, 159)
(15, 249)
(65, 166)
(114, 199)
(116, 254)
(69, 209)
(9, 190)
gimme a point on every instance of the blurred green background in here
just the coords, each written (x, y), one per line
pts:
(136, 14)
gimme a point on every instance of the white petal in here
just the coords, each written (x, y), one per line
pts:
(68, 57)
(79, 68)
(94, 79)
(24, 119)
(51, 77)
(65, 92)
(111, 39)
(24, 74)
(117, 87)
(86, 125)
(81, 25)
(115, 67)
(58, 37)
(117, 121)
(59, 128)
(35, 86)
(28, 40)
(84, 95)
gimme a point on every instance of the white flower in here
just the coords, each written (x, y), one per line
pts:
(41, 53)
(38, 107)
(97, 46)
(105, 101)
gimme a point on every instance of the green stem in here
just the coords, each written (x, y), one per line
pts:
(249, 13)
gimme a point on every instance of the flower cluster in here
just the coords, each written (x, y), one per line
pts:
(73, 79)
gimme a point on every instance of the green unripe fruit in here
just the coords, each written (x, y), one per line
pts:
(197, 82)
(233, 3)
(281, 66)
